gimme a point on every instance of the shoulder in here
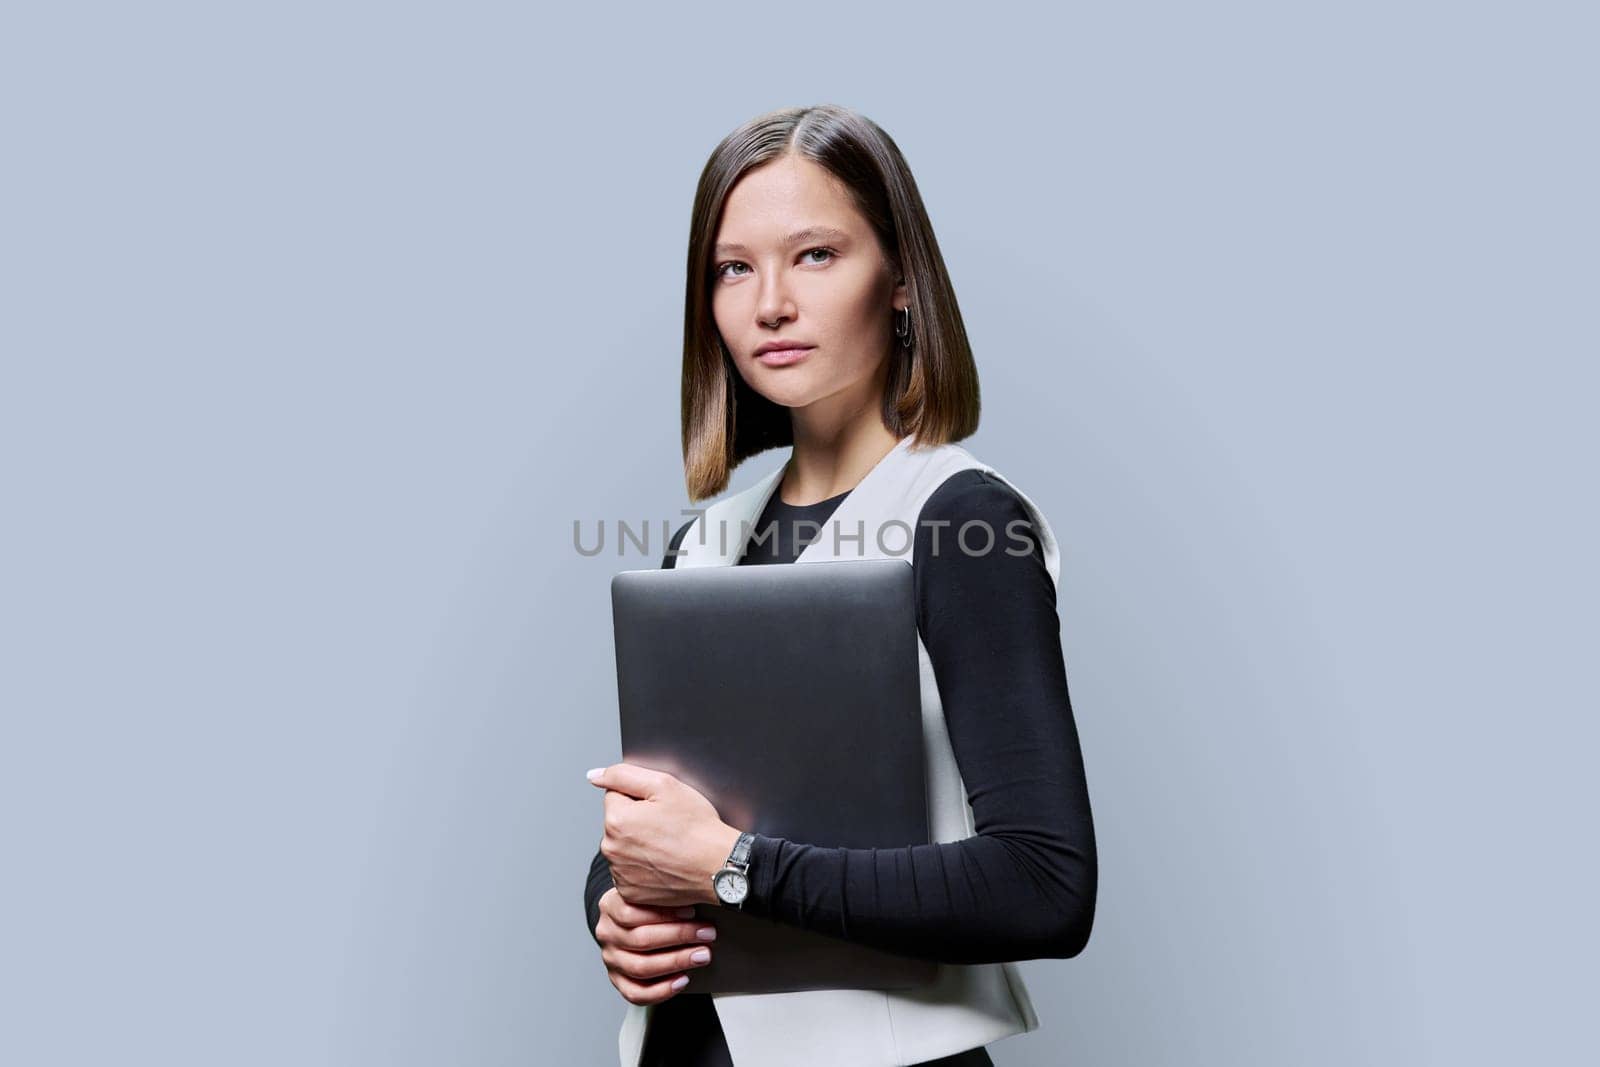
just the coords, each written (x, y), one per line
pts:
(973, 580)
(975, 495)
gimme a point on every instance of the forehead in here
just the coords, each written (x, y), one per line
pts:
(779, 197)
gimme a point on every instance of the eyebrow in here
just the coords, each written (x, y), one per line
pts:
(807, 234)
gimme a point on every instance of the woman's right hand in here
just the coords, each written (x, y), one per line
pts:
(647, 949)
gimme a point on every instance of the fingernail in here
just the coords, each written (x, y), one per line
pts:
(685, 913)
(706, 933)
(700, 955)
(593, 773)
(680, 981)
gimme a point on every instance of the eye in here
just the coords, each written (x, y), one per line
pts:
(722, 270)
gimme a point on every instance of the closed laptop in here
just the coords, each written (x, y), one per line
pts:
(790, 697)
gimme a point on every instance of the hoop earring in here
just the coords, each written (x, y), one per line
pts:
(902, 328)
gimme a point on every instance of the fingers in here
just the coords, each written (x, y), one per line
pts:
(654, 936)
(647, 950)
(629, 778)
(646, 967)
(612, 806)
(647, 992)
(625, 914)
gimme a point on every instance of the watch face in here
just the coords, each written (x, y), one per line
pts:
(732, 886)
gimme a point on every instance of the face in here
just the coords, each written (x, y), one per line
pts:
(795, 261)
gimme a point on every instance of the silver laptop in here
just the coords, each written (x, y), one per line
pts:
(789, 696)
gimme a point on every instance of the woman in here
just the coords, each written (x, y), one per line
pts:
(821, 317)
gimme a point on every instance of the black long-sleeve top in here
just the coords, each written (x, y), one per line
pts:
(1023, 887)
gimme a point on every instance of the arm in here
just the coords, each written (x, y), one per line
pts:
(1024, 886)
(599, 879)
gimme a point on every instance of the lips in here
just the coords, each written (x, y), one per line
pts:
(778, 357)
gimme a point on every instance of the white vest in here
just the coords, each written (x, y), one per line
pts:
(968, 1005)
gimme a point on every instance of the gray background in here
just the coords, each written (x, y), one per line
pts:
(321, 325)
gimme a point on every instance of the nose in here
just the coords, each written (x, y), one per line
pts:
(773, 305)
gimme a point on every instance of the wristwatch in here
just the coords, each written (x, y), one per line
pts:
(732, 883)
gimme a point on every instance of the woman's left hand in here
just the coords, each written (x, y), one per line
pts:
(663, 838)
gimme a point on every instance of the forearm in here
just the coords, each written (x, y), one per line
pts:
(985, 899)
(599, 881)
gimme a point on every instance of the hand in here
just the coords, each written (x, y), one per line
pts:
(646, 950)
(663, 838)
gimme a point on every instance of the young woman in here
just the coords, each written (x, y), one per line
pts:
(821, 317)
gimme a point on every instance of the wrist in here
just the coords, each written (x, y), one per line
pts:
(725, 838)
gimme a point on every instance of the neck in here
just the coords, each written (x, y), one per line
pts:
(827, 463)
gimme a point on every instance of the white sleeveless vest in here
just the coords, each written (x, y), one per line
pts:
(968, 1005)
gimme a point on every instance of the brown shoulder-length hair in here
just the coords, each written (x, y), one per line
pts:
(932, 387)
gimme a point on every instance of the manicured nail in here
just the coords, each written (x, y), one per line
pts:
(700, 955)
(680, 981)
(706, 933)
(593, 773)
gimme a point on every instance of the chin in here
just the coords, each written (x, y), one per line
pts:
(788, 398)
(783, 389)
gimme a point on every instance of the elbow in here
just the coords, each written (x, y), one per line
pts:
(1059, 924)
(1074, 914)
(1071, 934)
(1057, 931)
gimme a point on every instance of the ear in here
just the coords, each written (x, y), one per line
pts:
(901, 298)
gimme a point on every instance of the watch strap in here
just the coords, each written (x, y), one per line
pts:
(740, 856)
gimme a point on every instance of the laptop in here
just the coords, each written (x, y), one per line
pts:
(790, 697)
